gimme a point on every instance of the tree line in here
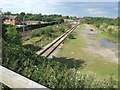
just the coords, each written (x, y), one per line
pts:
(100, 20)
(39, 17)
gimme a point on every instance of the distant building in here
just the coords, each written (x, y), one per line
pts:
(31, 22)
(34, 22)
(13, 20)
(80, 18)
(43, 22)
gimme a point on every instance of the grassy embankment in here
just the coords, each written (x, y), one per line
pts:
(41, 37)
(38, 42)
(93, 63)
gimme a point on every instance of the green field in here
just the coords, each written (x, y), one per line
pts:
(92, 63)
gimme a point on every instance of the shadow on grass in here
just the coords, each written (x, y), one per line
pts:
(70, 63)
(32, 47)
(74, 38)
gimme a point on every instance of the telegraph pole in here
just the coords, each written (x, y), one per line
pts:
(24, 22)
(23, 28)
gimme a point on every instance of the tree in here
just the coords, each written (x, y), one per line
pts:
(22, 14)
(7, 13)
(66, 17)
(14, 37)
(59, 20)
(4, 30)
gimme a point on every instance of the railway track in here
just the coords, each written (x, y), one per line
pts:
(47, 50)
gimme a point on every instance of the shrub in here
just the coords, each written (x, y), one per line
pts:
(36, 32)
(69, 25)
(62, 29)
(14, 37)
(97, 25)
(49, 73)
(55, 28)
(104, 26)
(110, 30)
(115, 33)
(47, 30)
(71, 36)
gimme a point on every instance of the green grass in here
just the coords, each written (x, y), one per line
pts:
(32, 40)
(93, 63)
(105, 35)
(103, 69)
(38, 42)
(68, 20)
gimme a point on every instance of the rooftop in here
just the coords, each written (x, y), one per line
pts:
(32, 21)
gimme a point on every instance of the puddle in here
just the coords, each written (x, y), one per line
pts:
(107, 43)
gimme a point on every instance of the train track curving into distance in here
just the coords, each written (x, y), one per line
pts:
(47, 50)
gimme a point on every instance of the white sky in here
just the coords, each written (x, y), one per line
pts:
(46, 7)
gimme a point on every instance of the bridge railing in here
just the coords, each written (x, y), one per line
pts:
(15, 80)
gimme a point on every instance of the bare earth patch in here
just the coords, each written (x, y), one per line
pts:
(93, 45)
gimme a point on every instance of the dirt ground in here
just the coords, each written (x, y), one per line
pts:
(93, 45)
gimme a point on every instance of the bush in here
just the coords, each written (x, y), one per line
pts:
(14, 37)
(36, 32)
(55, 28)
(104, 26)
(62, 29)
(69, 25)
(110, 30)
(49, 73)
(97, 25)
(71, 36)
(4, 30)
(47, 30)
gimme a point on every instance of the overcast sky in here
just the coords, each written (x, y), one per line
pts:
(105, 8)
